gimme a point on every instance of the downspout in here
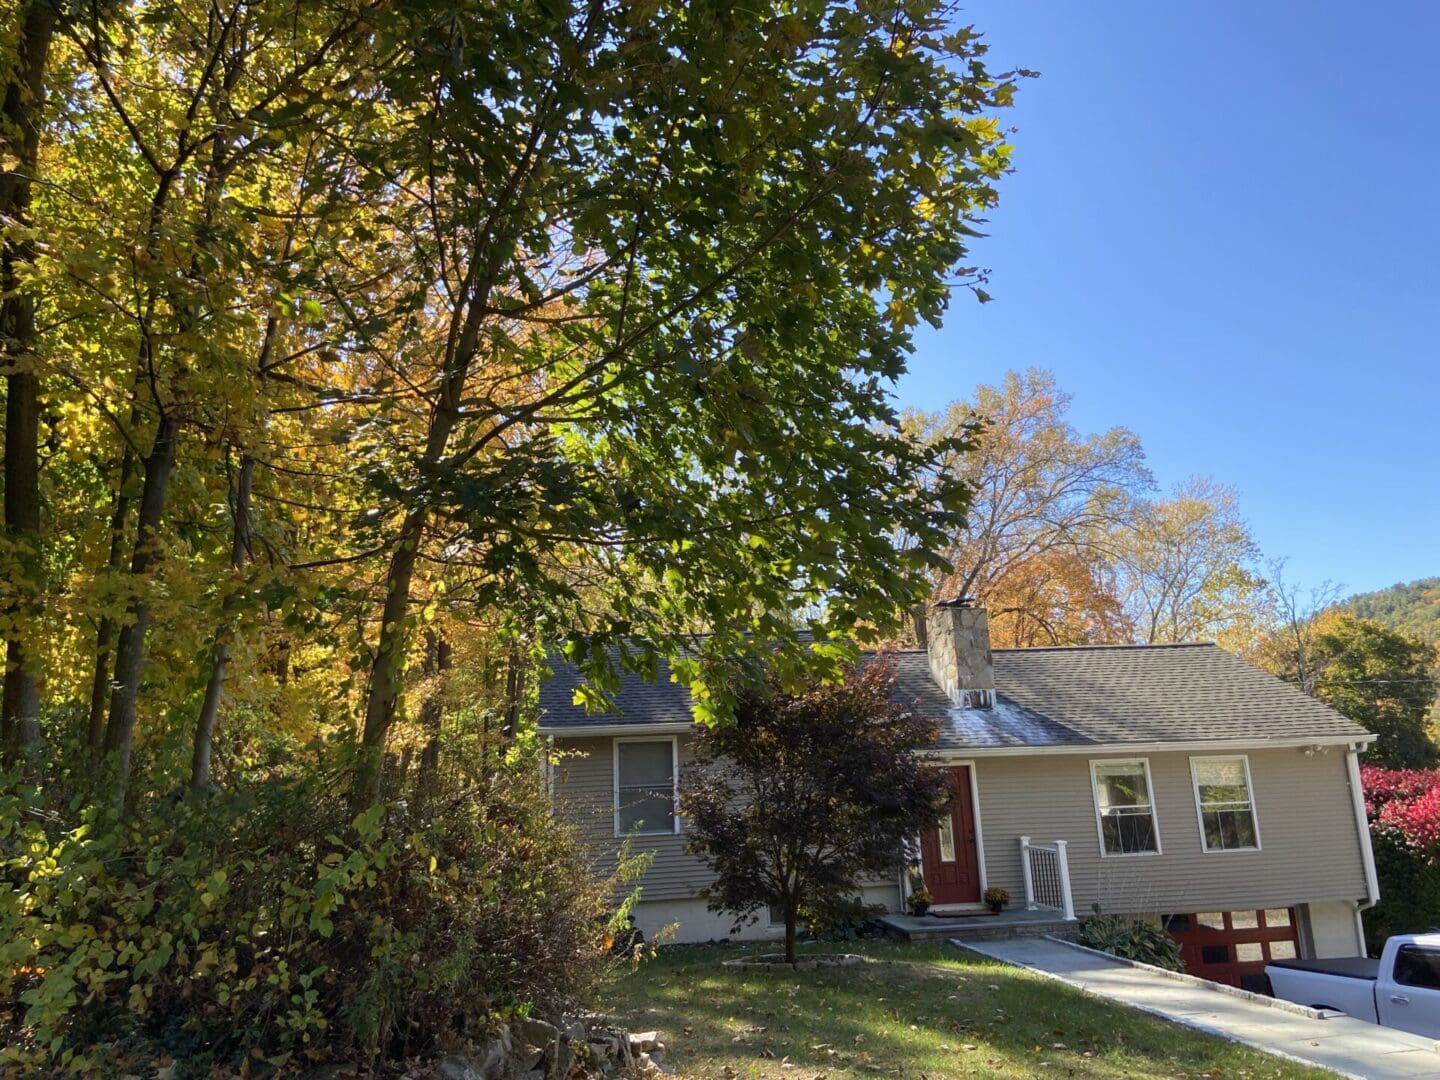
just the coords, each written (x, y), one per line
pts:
(1367, 852)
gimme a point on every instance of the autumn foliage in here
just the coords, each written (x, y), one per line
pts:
(1403, 806)
(356, 356)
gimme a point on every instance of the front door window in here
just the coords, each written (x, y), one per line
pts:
(947, 837)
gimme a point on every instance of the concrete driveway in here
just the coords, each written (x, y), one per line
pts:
(1332, 1041)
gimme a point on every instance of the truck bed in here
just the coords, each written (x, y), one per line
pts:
(1349, 967)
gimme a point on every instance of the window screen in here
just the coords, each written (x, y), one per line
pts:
(1127, 819)
(645, 791)
(1227, 817)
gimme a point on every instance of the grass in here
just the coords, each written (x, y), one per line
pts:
(920, 1011)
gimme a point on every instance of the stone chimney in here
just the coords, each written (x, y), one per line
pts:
(958, 641)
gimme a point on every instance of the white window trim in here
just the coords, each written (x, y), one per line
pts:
(674, 742)
(1244, 759)
(1144, 762)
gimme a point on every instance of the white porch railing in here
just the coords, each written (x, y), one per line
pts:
(1047, 877)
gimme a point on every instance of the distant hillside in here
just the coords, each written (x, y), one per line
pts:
(1413, 608)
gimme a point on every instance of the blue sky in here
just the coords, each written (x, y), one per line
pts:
(1224, 233)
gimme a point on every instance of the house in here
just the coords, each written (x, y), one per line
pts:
(1174, 781)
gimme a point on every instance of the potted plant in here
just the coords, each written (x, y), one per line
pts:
(997, 898)
(920, 901)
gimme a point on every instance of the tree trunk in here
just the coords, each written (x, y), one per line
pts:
(130, 649)
(432, 717)
(385, 671)
(220, 656)
(100, 684)
(20, 140)
(790, 922)
(281, 656)
(384, 692)
(514, 684)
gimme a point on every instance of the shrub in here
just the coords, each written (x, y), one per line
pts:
(276, 925)
(1132, 938)
(1404, 810)
(847, 920)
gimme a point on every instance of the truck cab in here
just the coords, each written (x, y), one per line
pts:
(1400, 990)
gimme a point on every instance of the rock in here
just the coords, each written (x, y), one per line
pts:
(494, 1057)
(459, 1067)
(562, 1060)
(624, 1054)
(531, 1074)
(537, 1032)
(643, 1040)
(527, 1058)
(575, 1031)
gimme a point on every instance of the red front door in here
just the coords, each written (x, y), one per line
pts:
(948, 858)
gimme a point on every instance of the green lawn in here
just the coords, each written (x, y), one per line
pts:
(914, 1011)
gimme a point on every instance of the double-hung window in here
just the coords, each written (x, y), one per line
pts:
(646, 783)
(1225, 804)
(1125, 807)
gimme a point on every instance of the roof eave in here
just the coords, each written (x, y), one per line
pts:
(583, 731)
(1290, 742)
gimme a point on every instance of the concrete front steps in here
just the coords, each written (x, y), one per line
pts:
(978, 926)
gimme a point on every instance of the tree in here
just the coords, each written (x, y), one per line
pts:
(1184, 563)
(1289, 626)
(22, 106)
(1044, 500)
(807, 793)
(652, 402)
(1060, 597)
(537, 317)
(1382, 680)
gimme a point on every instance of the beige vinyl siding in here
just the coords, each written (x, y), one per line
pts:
(585, 794)
(1310, 849)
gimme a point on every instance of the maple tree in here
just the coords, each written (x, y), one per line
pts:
(808, 793)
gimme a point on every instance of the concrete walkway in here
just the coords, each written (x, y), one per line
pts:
(1332, 1041)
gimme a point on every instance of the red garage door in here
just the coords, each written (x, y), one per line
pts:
(1234, 946)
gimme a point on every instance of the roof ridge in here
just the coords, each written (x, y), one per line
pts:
(1071, 648)
(1099, 648)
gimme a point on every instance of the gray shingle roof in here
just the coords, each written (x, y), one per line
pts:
(1045, 697)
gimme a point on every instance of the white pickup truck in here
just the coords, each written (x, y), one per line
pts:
(1400, 990)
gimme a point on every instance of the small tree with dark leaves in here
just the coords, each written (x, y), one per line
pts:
(805, 794)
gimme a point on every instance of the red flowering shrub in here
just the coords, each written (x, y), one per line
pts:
(1404, 810)
(1386, 785)
(1404, 804)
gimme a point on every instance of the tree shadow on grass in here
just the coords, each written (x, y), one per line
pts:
(912, 1011)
